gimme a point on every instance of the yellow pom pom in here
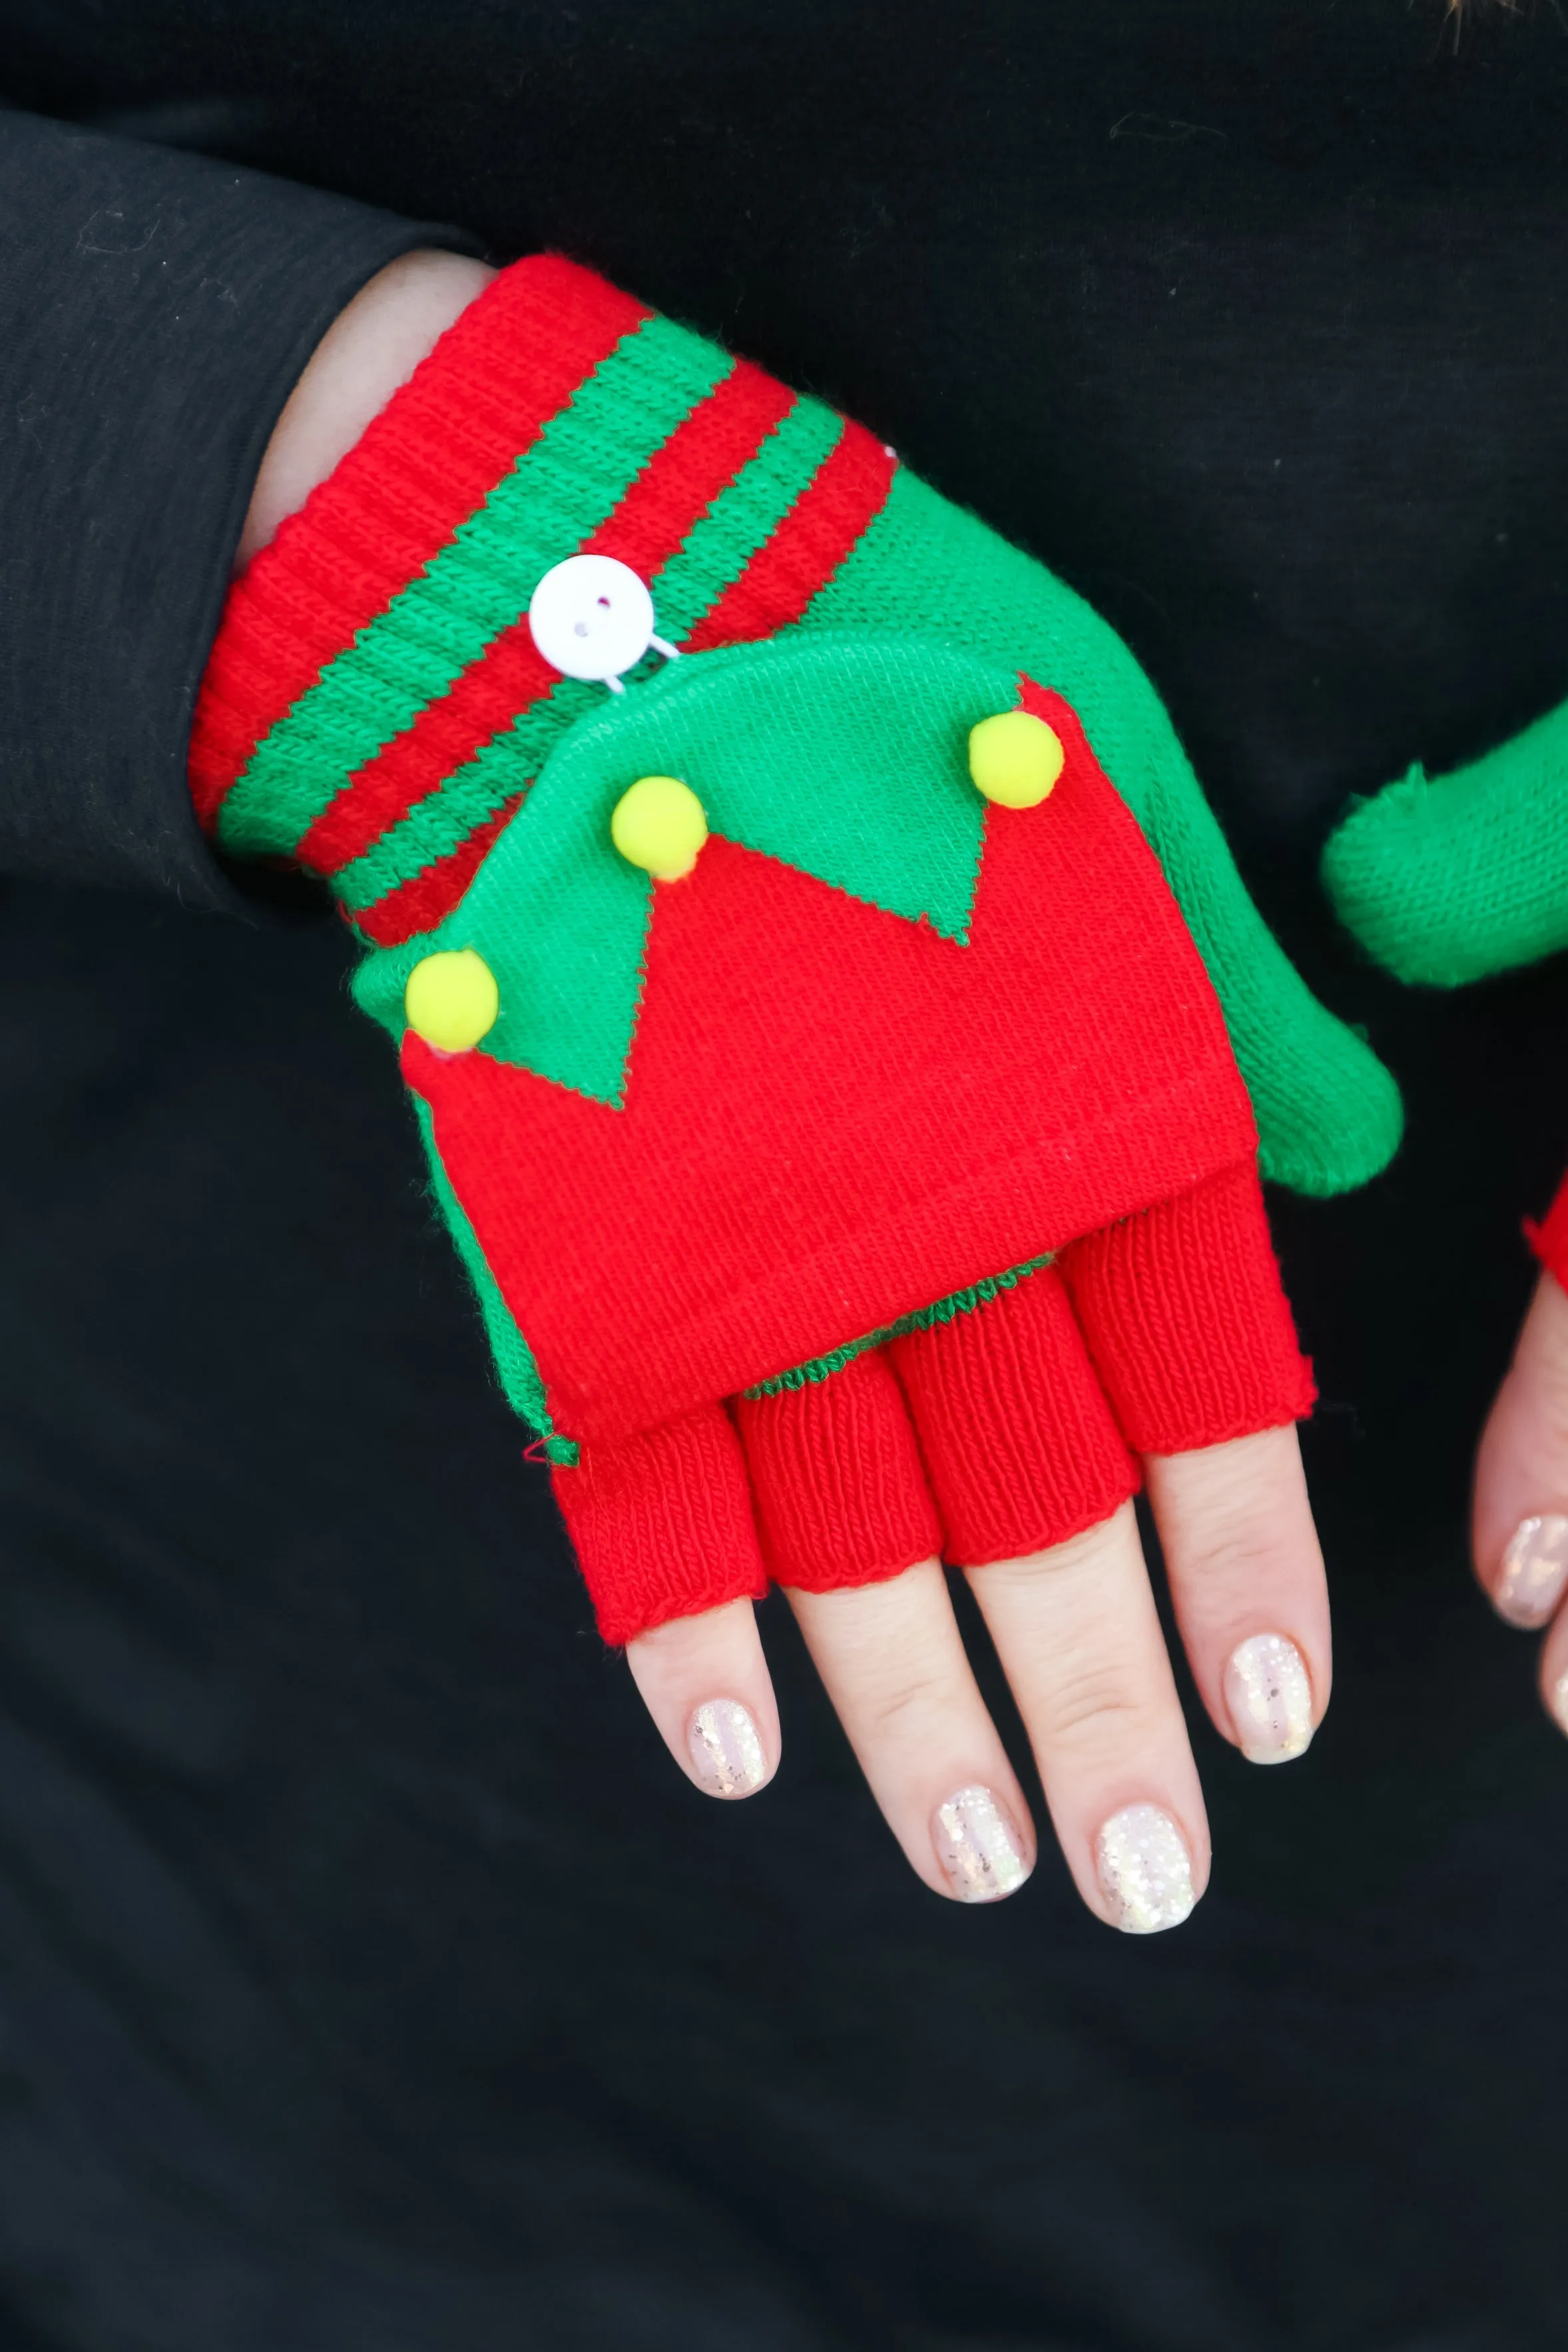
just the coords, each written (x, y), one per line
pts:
(1015, 758)
(659, 826)
(451, 999)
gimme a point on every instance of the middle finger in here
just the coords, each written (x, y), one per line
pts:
(1080, 1640)
(893, 1664)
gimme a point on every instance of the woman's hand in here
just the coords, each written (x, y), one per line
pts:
(1000, 1419)
(1078, 1637)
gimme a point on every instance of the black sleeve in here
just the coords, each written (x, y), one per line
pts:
(156, 309)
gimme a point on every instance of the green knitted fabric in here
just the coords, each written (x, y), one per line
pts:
(734, 527)
(514, 1360)
(844, 757)
(444, 620)
(1447, 878)
(1328, 1113)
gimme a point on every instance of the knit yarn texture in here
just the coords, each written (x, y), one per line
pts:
(1445, 879)
(887, 1044)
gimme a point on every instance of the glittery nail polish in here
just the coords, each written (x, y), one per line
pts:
(979, 1847)
(1270, 1698)
(726, 1748)
(1534, 1570)
(1145, 1871)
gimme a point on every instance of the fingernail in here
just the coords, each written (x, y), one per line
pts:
(1270, 1698)
(726, 1748)
(979, 1847)
(1145, 1871)
(1534, 1570)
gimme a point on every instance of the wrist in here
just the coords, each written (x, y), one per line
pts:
(375, 702)
(371, 348)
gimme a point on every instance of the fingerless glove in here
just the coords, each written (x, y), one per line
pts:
(839, 1035)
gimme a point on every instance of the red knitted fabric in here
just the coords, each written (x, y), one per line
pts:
(415, 904)
(910, 1174)
(656, 514)
(1017, 1440)
(832, 1115)
(779, 581)
(1185, 1320)
(1549, 1239)
(662, 1522)
(806, 549)
(841, 1495)
(511, 362)
(994, 1440)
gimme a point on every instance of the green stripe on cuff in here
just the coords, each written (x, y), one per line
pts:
(742, 519)
(443, 822)
(557, 493)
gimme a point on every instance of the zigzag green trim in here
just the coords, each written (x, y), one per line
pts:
(1328, 1112)
(957, 1302)
(767, 736)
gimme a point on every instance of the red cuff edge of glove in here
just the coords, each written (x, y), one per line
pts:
(1549, 1239)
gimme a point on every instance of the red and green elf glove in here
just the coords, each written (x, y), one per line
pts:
(819, 981)
(1446, 879)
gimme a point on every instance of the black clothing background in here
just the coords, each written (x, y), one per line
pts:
(367, 1974)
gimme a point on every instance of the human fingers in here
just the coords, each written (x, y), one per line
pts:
(1018, 1456)
(663, 1526)
(705, 1682)
(1080, 1640)
(1520, 1513)
(894, 1664)
(1024, 1463)
(1033, 1481)
(1246, 1574)
(850, 1529)
(1192, 1335)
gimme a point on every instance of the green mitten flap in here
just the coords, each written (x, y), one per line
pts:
(842, 754)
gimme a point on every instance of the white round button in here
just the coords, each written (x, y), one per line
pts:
(591, 618)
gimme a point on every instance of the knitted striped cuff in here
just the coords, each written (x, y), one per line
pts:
(1549, 1239)
(375, 705)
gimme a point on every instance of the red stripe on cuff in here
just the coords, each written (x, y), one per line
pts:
(420, 904)
(666, 500)
(506, 365)
(789, 569)
(698, 462)
(786, 572)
